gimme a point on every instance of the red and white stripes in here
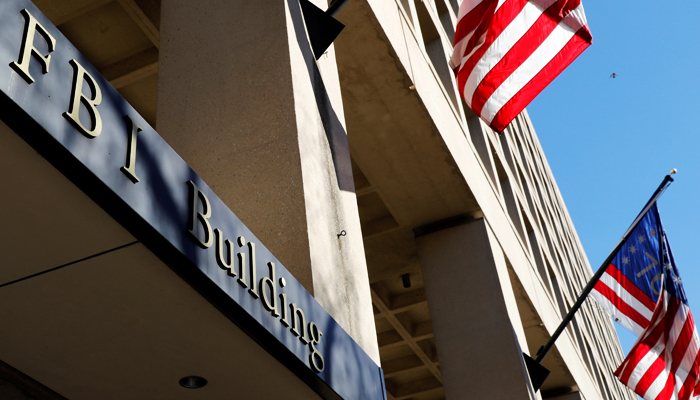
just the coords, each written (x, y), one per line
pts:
(507, 51)
(664, 363)
(623, 300)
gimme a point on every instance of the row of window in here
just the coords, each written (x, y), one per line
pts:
(519, 173)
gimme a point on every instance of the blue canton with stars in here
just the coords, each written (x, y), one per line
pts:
(673, 284)
(646, 259)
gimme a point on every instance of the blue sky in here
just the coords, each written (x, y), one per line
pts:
(610, 141)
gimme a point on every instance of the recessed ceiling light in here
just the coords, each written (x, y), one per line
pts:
(193, 382)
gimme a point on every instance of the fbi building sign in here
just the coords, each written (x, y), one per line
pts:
(53, 98)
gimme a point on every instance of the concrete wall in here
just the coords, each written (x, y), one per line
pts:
(478, 331)
(243, 101)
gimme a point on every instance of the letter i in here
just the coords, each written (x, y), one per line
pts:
(241, 264)
(283, 302)
(251, 255)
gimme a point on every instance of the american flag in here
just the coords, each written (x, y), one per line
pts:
(507, 51)
(643, 291)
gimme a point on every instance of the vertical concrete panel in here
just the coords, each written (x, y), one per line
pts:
(477, 327)
(339, 270)
(242, 99)
(226, 105)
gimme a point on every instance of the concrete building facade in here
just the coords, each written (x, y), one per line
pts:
(442, 249)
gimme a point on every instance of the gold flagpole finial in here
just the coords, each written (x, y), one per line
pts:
(673, 171)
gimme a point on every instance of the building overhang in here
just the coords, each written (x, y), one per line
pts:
(111, 278)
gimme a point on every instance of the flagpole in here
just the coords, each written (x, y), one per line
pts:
(582, 297)
(335, 7)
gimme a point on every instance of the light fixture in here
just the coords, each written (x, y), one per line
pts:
(193, 382)
(406, 278)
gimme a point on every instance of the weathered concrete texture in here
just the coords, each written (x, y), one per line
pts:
(243, 101)
(339, 270)
(477, 328)
(225, 104)
(394, 139)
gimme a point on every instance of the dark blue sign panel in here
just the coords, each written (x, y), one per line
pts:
(58, 102)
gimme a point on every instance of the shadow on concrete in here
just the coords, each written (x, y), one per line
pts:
(335, 132)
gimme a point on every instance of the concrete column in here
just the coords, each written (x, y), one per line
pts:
(242, 99)
(478, 333)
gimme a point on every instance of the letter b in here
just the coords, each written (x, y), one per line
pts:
(77, 97)
(196, 217)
